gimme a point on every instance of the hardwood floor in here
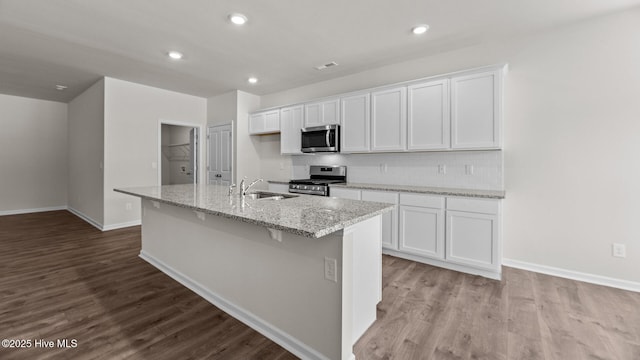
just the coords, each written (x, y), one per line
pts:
(62, 279)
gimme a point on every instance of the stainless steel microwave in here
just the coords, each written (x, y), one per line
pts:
(321, 139)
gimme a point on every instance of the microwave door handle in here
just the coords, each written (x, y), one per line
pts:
(328, 133)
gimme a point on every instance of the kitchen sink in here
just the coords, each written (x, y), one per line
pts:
(263, 195)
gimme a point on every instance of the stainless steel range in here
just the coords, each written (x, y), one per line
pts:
(320, 177)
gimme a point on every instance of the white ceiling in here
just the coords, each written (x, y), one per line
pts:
(75, 42)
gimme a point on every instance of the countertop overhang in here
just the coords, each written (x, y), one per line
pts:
(305, 215)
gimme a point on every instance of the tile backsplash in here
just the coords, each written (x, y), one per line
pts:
(463, 169)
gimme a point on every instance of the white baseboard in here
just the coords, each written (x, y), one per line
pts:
(34, 210)
(98, 225)
(86, 218)
(495, 275)
(276, 335)
(121, 225)
(573, 275)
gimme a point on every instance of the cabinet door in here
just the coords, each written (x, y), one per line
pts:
(290, 125)
(422, 231)
(256, 123)
(428, 118)
(282, 188)
(476, 111)
(331, 112)
(354, 136)
(389, 219)
(472, 239)
(313, 114)
(389, 119)
(344, 193)
(272, 121)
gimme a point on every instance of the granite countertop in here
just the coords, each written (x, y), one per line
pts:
(489, 194)
(304, 215)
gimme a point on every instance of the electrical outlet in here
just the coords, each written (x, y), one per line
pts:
(442, 169)
(468, 169)
(619, 250)
(128, 206)
(331, 269)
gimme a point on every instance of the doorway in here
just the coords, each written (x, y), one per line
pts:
(220, 155)
(179, 154)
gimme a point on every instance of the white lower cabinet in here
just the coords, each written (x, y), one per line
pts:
(389, 219)
(422, 225)
(281, 188)
(473, 233)
(344, 193)
(457, 233)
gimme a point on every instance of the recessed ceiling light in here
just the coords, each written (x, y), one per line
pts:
(252, 80)
(238, 19)
(420, 29)
(175, 55)
(61, 87)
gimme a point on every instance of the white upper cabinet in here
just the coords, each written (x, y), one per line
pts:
(476, 110)
(389, 119)
(449, 112)
(264, 122)
(322, 113)
(290, 125)
(354, 132)
(428, 115)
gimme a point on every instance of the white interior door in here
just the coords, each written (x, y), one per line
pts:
(193, 155)
(220, 151)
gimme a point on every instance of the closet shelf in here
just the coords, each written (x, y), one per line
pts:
(177, 152)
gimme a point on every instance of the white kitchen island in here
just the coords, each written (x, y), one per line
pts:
(270, 263)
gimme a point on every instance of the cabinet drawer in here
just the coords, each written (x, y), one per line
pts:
(482, 206)
(429, 201)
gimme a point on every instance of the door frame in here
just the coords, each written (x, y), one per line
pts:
(199, 163)
(233, 151)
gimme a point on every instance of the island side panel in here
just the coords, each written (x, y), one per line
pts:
(366, 272)
(275, 285)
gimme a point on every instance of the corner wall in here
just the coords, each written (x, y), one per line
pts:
(571, 139)
(86, 154)
(33, 155)
(132, 122)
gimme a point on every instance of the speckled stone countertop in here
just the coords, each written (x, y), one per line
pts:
(305, 215)
(489, 194)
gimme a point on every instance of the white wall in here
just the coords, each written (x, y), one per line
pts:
(222, 109)
(33, 154)
(248, 147)
(86, 153)
(274, 166)
(571, 139)
(132, 120)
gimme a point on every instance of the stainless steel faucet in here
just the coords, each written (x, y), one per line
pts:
(243, 190)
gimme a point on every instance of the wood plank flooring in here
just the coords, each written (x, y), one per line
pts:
(62, 279)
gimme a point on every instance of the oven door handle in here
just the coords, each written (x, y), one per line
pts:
(328, 132)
